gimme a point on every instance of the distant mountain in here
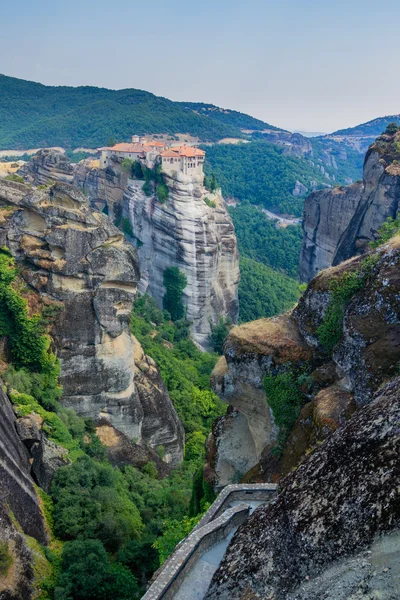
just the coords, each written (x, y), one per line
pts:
(229, 117)
(35, 115)
(371, 129)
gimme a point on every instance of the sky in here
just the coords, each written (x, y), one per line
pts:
(313, 65)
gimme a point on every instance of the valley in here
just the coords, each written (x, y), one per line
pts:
(199, 352)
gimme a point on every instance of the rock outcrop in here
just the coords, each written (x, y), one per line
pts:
(104, 187)
(47, 167)
(333, 506)
(332, 384)
(73, 257)
(339, 223)
(16, 484)
(192, 231)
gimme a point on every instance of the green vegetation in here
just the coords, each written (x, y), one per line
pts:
(387, 230)
(264, 292)
(29, 344)
(342, 289)
(372, 128)
(174, 282)
(261, 173)
(34, 115)
(210, 182)
(5, 558)
(173, 533)
(219, 333)
(88, 574)
(227, 117)
(210, 203)
(285, 397)
(184, 368)
(15, 177)
(79, 155)
(349, 161)
(260, 239)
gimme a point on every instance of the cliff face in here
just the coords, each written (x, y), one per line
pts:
(74, 256)
(338, 223)
(338, 381)
(328, 510)
(195, 237)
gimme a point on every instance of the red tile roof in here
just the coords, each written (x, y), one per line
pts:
(188, 151)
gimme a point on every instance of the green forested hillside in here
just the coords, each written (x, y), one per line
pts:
(259, 239)
(264, 292)
(228, 117)
(349, 161)
(33, 115)
(268, 264)
(262, 174)
(371, 128)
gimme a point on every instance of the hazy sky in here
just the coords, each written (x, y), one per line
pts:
(316, 65)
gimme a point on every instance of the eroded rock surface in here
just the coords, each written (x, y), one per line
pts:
(339, 223)
(75, 257)
(199, 239)
(334, 505)
(48, 166)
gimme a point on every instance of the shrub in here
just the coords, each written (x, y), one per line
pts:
(127, 227)
(127, 165)
(392, 128)
(162, 192)
(15, 177)
(387, 230)
(285, 398)
(209, 202)
(342, 290)
(219, 333)
(5, 558)
(175, 282)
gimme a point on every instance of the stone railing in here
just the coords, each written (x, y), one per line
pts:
(214, 526)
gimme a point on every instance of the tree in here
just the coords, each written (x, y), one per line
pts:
(174, 282)
(219, 333)
(88, 575)
(392, 128)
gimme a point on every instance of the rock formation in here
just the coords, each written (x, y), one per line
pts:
(337, 382)
(192, 231)
(330, 508)
(48, 166)
(339, 223)
(74, 257)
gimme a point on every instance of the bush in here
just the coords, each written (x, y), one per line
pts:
(15, 177)
(127, 165)
(387, 230)
(392, 128)
(219, 333)
(5, 558)
(285, 398)
(342, 290)
(175, 282)
(127, 227)
(162, 192)
(210, 203)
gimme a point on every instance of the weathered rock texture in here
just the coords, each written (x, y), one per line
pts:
(185, 232)
(339, 223)
(16, 484)
(338, 382)
(332, 506)
(103, 187)
(48, 166)
(75, 256)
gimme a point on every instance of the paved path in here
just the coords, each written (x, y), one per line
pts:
(198, 579)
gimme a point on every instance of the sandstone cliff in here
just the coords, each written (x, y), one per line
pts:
(192, 231)
(339, 223)
(74, 256)
(310, 543)
(333, 382)
(48, 166)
